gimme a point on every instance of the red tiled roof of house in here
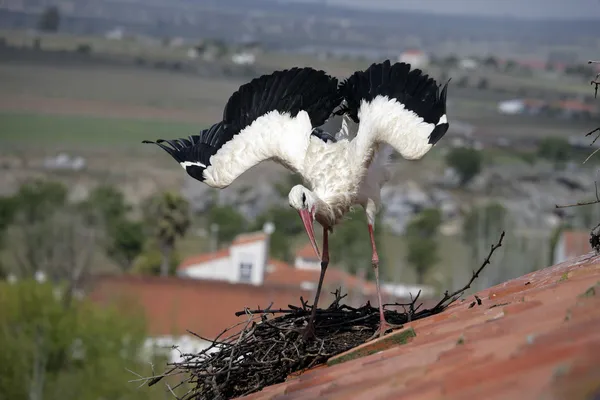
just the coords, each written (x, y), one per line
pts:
(249, 238)
(576, 243)
(574, 105)
(173, 305)
(307, 252)
(202, 258)
(535, 337)
(206, 307)
(334, 278)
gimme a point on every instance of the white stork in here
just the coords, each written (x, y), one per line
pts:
(277, 117)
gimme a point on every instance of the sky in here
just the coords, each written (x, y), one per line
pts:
(536, 9)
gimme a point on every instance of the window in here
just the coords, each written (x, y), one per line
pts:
(245, 272)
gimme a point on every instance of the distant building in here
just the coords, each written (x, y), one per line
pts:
(243, 58)
(115, 34)
(511, 107)
(468, 64)
(416, 58)
(522, 106)
(574, 109)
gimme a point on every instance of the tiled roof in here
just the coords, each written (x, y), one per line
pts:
(202, 258)
(535, 337)
(206, 307)
(173, 305)
(576, 243)
(249, 238)
(334, 277)
(307, 252)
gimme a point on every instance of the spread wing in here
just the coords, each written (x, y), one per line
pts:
(395, 105)
(269, 118)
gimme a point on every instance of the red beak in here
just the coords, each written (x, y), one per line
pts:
(307, 220)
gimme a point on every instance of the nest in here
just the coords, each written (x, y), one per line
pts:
(267, 346)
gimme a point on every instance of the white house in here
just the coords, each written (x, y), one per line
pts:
(245, 261)
(416, 58)
(511, 107)
(243, 58)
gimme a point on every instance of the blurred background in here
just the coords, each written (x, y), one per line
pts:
(103, 238)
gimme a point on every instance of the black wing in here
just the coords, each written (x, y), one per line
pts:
(417, 92)
(287, 92)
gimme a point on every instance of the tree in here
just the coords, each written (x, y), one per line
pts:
(466, 162)
(420, 240)
(107, 205)
(8, 209)
(491, 62)
(482, 227)
(49, 235)
(150, 260)
(79, 352)
(483, 84)
(229, 221)
(168, 217)
(123, 239)
(510, 65)
(555, 149)
(126, 242)
(39, 198)
(49, 20)
(463, 82)
(483, 224)
(350, 244)
(288, 226)
(61, 245)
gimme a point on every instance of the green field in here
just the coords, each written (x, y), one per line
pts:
(19, 128)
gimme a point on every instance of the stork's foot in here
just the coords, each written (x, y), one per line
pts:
(309, 332)
(384, 327)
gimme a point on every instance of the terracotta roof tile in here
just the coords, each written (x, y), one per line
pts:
(249, 238)
(202, 258)
(174, 305)
(535, 337)
(307, 252)
(576, 243)
(333, 278)
(206, 307)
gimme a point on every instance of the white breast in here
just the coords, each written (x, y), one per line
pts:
(334, 174)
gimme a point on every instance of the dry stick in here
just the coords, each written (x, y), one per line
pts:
(237, 343)
(454, 296)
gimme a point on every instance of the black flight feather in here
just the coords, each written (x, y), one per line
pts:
(287, 91)
(418, 92)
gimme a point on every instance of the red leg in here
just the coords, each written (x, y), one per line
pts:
(310, 328)
(383, 324)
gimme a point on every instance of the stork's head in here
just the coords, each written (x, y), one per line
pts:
(305, 202)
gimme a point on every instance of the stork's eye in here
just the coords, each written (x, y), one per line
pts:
(303, 198)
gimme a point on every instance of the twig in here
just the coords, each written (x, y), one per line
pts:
(454, 296)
